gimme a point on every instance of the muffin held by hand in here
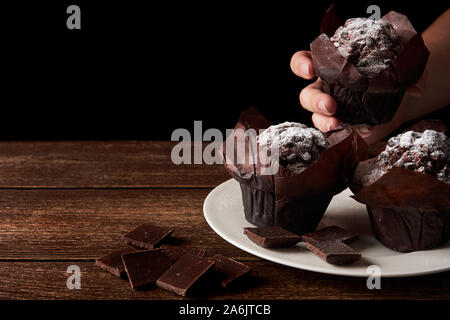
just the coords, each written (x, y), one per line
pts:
(311, 168)
(370, 45)
(367, 65)
(407, 191)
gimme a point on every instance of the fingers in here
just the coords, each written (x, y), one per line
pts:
(418, 89)
(324, 123)
(313, 99)
(301, 64)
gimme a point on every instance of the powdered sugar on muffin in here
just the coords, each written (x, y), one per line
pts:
(426, 152)
(299, 145)
(371, 45)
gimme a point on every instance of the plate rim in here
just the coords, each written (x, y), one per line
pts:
(268, 257)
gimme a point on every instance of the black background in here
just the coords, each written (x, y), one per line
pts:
(139, 70)
(280, 309)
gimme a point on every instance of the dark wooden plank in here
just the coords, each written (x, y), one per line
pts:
(97, 164)
(47, 280)
(85, 224)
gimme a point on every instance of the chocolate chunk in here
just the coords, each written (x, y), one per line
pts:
(146, 236)
(112, 262)
(187, 271)
(329, 243)
(144, 267)
(271, 237)
(175, 252)
(370, 42)
(331, 233)
(228, 270)
(334, 252)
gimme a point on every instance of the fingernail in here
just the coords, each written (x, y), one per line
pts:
(421, 89)
(331, 127)
(334, 126)
(416, 91)
(305, 69)
(363, 130)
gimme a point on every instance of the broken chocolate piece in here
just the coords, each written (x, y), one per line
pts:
(228, 270)
(144, 267)
(334, 252)
(331, 233)
(175, 252)
(146, 236)
(184, 274)
(112, 262)
(272, 237)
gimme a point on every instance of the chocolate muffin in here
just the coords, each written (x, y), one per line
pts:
(406, 189)
(427, 152)
(312, 168)
(299, 146)
(366, 65)
(371, 45)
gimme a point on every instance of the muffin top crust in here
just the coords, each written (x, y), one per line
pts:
(299, 146)
(426, 152)
(371, 45)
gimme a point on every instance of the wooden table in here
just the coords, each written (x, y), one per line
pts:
(67, 203)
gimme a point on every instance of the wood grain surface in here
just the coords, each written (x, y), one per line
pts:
(64, 203)
(85, 224)
(47, 280)
(98, 164)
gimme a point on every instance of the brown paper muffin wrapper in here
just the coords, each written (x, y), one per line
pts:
(408, 211)
(360, 99)
(294, 202)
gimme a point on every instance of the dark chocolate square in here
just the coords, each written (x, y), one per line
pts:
(334, 252)
(272, 237)
(331, 233)
(146, 236)
(228, 270)
(186, 272)
(112, 262)
(144, 267)
(176, 252)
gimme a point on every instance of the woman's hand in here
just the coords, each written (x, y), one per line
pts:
(323, 106)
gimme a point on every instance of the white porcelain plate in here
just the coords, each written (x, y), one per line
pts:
(224, 212)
